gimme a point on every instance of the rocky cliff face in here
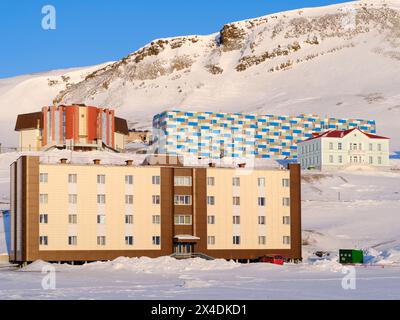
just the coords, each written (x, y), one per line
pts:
(328, 60)
(267, 45)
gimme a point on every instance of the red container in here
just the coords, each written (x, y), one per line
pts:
(273, 259)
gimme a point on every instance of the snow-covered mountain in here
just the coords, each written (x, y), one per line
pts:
(341, 60)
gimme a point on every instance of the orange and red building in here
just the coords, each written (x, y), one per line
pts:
(75, 127)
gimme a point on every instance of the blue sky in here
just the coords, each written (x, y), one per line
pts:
(94, 31)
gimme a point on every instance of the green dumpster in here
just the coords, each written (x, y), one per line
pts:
(350, 256)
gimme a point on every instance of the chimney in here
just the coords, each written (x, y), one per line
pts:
(211, 165)
(242, 165)
(97, 161)
(129, 162)
(63, 161)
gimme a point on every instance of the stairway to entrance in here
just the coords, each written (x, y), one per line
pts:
(181, 256)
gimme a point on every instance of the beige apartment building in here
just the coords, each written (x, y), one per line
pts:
(77, 212)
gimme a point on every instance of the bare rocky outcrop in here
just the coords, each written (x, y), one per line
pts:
(273, 43)
(232, 37)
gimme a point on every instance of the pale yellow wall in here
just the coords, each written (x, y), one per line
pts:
(29, 140)
(87, 208)
(119, 141)
(319, 152)
(249, 229)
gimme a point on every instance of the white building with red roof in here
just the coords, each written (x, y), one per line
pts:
(337, 149)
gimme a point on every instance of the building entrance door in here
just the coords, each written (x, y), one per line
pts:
(183, 248)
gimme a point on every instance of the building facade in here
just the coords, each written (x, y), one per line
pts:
(76, 212)
(337, 149)
(217, 135)
(75, 127)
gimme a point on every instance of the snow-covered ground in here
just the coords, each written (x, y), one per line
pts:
(346, 209)
(166, 278)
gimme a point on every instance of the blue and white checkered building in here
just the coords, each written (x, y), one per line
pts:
(217, 135)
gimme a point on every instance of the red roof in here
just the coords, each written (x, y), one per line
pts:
(342, 134)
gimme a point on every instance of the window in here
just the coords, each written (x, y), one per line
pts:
(330, 145)
(286, 240)
(72, 199)
(340, 146)
(210, 200)
(156, 219)
(72, 178)
(181, 200)
(128, 199)
(43, 240)
(286, 202)
(129, 180)
(43, 218)
(261, 182)
(183, 181)
(43, 178)
(211, 181)
(261, 202)
(330, 159)
(379, 147)
(101, 198)
(236, 182)
(236, 240)
(183, 220)
(371, 147)
(101, 219)
(211, 219)
(286, 183)
(261, 220)
(286, 220)
(156, 199)
(262, 240)
(236, 201)
(211, 240)
(340, 159)
(72, 219)
(101, 240)
(156, 240)
(379, 160)
(371, 160)
(128, 219)
(236, 219)
(129, 240)
(72, 240)
(43, 198)
(155, 180)
(101, 179)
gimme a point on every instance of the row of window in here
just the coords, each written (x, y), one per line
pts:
(101, 199)
(156, 219)
(156, 240)
(236, 182)
(339, 146)
(236, 201)
(236, 240)
(101, 179)
(101, 240)
(100, 218)
(352, 159)
(178, 180)
(179, 200)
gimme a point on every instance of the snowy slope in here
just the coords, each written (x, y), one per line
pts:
(341, 60)
(29, 93)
